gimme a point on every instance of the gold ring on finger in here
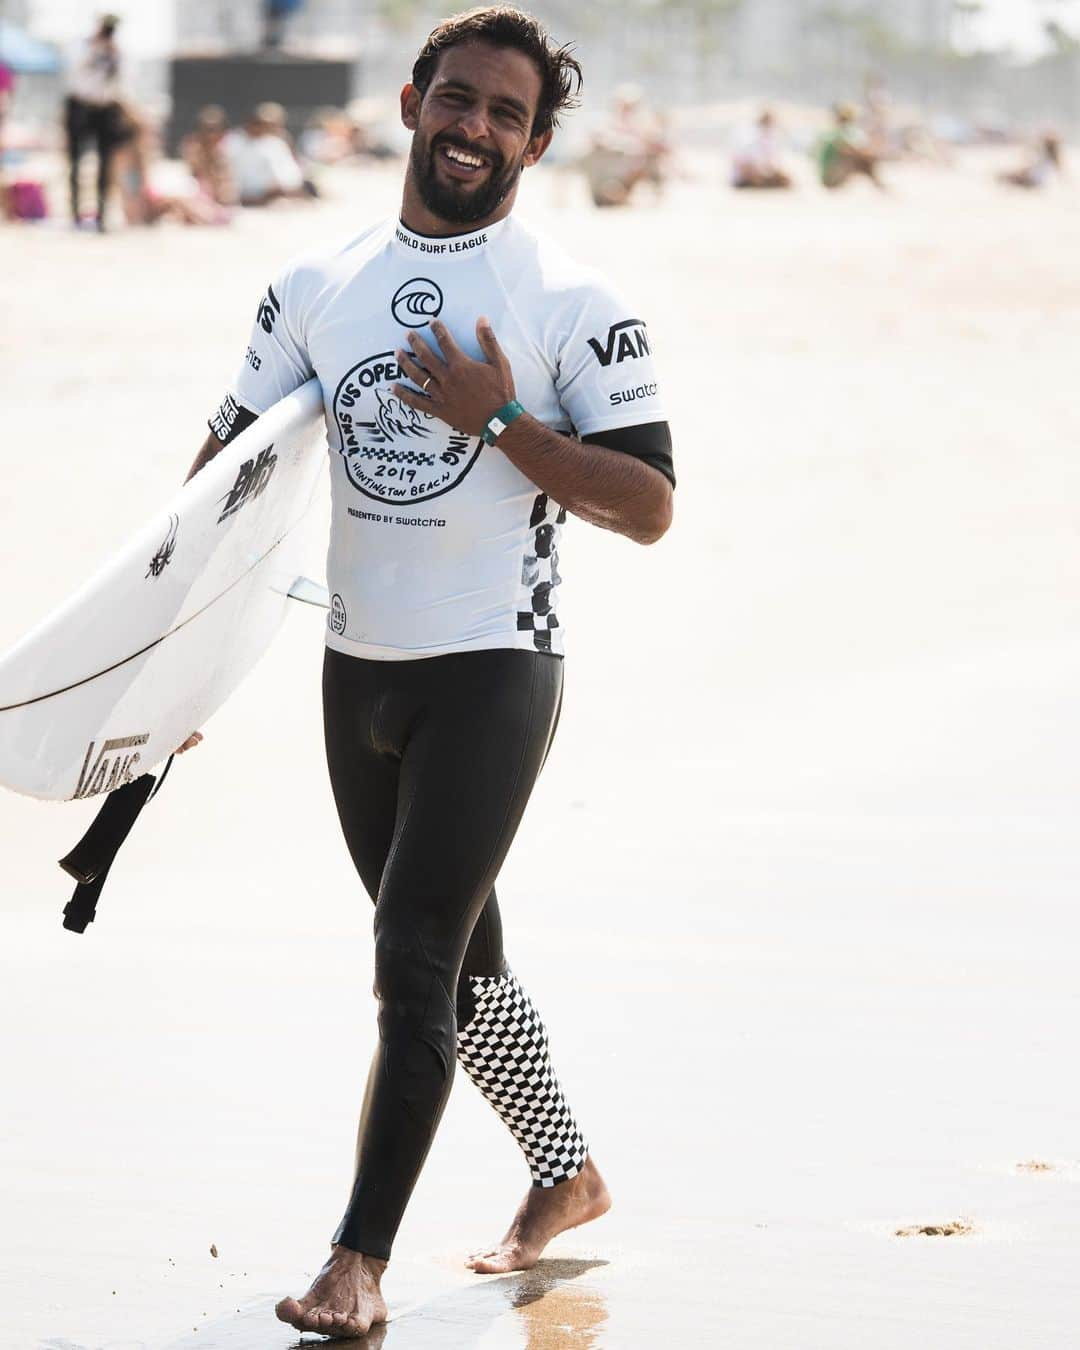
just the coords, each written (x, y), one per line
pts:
(425, 384)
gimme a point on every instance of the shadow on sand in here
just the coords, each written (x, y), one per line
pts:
(553, 1314)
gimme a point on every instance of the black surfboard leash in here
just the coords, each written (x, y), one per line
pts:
(92, 857)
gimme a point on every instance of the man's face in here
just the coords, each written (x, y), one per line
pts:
(472, 130)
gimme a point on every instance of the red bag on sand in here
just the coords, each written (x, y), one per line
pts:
(26, 200)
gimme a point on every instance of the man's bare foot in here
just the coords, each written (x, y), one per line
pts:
(543, 1215)
(345, 1299)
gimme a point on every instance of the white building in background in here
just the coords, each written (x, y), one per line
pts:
(328, 27)
(17, 12)
(780, 36)
(146, 26)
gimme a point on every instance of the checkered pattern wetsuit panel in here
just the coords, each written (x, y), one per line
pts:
(540, 578)
(504, 1050)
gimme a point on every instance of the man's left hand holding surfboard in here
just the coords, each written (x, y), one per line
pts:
(119, 677)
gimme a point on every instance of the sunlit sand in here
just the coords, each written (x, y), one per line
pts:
(797, 891)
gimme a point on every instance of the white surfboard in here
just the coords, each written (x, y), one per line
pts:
(117, 677)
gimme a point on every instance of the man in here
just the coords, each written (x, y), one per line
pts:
(91, 110)
(844, 150)
(478, 387)
(261, 159)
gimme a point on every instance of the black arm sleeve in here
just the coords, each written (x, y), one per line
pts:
(230, 420)
(649, 442)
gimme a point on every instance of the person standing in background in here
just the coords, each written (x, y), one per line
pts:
(91, 110)
(276, 14)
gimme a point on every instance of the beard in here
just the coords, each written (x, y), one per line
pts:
(458, 203)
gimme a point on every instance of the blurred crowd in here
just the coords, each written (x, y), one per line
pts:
(629, 157)
(633, 152)
(219, 168)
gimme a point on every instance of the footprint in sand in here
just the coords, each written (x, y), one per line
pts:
(955, 1229)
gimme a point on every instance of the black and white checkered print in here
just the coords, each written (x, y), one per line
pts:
(398, 456)
(540, 574)
(504, 1050)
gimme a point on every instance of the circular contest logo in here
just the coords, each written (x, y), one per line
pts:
(416, 302)
(393, 453)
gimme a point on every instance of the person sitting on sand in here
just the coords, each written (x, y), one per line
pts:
(262, 160)
(844, 150)
(1039, 170)
(755, 162)
(631, 148)
(150, 190)
(203, 151)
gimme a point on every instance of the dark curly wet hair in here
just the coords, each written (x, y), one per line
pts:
(501, 26)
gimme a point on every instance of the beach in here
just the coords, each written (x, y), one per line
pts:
(796, 891)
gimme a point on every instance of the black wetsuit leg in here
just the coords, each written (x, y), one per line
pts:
(104, 125)
(75, 127)
(432, 763)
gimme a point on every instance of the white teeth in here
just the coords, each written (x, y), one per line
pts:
(460, 157)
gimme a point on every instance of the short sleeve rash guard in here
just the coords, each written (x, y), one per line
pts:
(438, 542)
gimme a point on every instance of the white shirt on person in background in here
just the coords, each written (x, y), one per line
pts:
(261, 165)
(93, 73)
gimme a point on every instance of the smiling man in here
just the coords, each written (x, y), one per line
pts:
(478, 386)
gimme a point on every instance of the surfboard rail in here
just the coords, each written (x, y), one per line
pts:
(108, 684)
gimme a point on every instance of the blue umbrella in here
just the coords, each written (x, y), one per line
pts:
(26, 55)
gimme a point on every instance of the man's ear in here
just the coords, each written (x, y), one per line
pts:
(536, 149)
(411, 98)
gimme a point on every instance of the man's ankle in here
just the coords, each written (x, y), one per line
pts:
(376, 1265)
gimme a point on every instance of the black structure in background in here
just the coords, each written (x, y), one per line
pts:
(237, 83)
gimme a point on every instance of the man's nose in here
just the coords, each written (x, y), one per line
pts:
(474, 124)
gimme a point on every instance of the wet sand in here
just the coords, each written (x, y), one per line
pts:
(796, 894)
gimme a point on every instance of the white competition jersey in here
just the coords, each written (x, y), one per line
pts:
(438, 543)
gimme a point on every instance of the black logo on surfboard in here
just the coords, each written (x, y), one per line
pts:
(163, 557)
(110, 765)
(252, 478)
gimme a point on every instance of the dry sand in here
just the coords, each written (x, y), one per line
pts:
(797, 893)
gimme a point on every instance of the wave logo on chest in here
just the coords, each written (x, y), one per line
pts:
(416, 302)
(393, 453)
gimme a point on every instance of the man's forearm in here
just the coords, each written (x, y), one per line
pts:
(210, 447)
(605, 487)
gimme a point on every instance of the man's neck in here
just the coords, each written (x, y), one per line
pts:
(416, 217)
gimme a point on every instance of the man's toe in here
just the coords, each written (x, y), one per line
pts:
(288, 1310)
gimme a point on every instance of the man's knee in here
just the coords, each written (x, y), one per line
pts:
(415, 1009)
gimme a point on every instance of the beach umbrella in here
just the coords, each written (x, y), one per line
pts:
(26, 55)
